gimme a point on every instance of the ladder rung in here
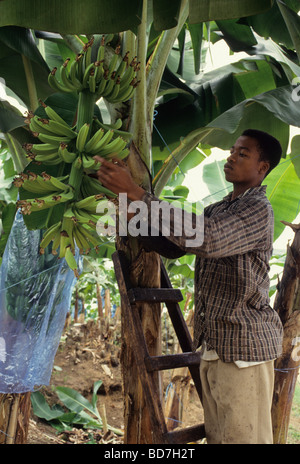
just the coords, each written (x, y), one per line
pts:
(172, 361)
(154, 295)
(187, 435)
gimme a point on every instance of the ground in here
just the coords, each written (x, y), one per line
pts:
(89, 353)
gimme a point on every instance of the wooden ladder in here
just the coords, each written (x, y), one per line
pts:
(147, 365)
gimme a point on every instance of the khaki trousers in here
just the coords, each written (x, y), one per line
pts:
(237, 402)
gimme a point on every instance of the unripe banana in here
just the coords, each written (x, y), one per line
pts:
(53, 139)
(42, 148)
(94, 140)
(117, 145)
(65, 76)
(89, 203)
(105, 139)
(71, 261)
(60, 129)
(65, 155)
(55, 84)
(57, 184)
(82, 137)
(52, 114)
(50, 234)
(81, 241)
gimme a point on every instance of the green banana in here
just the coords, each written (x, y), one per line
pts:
(56, 242)
(124, 95)
(112, 96)
(53, 139)
(81, 241)
(86, 75)
(88, 235)
(102, 83)
(65, 76)
(82, 137)
(114, 60)
(89, 203)
(105, 139)
(36, 204)
(116, 127)
(101, 49)
(85, 217)
(89, 163)
(50, 160)
(121, 155)
(39, 125)
(71, 261)
(115, 146)
(56, 128)
(128, 75)
(65, 155)
(93, 186)
(50, 234)
(73, 74)
(57, 184)
(109, 86)
(92, 82)
(52, 114)
(42, 148)
(94, 140)
(55, 84)
(123, 65)
(63, 243)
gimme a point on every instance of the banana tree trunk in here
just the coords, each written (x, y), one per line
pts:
(287, 304)
(14, 418)
(145, 272)
(145, 266)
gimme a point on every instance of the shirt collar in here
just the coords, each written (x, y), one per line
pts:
(251, 191)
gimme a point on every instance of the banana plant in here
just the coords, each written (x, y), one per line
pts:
(210, 110)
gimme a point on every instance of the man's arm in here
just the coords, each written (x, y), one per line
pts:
(231, 232)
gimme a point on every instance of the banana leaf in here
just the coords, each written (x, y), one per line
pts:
(283, 187)
(15, 44)
(94, 16)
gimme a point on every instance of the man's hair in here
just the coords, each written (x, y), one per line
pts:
(269, 147)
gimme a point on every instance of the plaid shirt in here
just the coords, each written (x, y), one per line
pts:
(232, 311)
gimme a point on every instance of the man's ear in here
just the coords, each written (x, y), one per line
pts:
(264, 167)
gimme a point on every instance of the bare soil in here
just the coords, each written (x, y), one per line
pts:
(88, 353)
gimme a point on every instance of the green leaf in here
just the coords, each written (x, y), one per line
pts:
(72, 16)
(283, 187)
(12, 66)
(295, 153)
(94, 16)
(239, 37)
(7, 219)
(42, 409)
(74, 401)
(97, 385)
(208, 10)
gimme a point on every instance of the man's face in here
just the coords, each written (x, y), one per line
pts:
(243, 165)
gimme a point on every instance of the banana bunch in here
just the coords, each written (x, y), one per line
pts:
(71, 150)
(76, 228)
(115, 81)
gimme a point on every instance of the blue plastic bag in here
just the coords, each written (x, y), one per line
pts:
(35, 296)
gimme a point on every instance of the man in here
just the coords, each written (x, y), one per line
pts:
(239, 333)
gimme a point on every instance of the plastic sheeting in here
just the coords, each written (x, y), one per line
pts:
(35, 296)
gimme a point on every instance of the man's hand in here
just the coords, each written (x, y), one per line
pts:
(116, 176)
